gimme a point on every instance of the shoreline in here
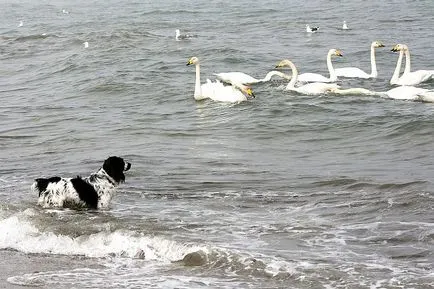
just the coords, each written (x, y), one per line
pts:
(15, 263)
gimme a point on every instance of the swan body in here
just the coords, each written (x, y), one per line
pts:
(400, 92)
(357, 72)
(345, 26)
(408, 77)
(408, 93)
(315, 77)
(427, 96)
(356, 91)
(218, 91)
(243, 78)
(314, 88)
(311, 29)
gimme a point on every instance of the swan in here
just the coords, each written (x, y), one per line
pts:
(401, 92)
(410, 93)
(311, 29)
(243, 78)
(315, 77)
(408, 77)
(216, 90)
(345, 26)
(427, 96)
(356, 91)
(358, 73)
(86, 44)
(314, 88)
(21, 23)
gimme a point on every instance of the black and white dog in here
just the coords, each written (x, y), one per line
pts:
(95, 191)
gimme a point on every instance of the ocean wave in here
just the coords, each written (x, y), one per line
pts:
(113, 246)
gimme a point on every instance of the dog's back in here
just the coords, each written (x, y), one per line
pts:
(41, 184)
(65, 192)
(86, 192)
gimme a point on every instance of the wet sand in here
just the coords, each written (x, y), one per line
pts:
(13, 263)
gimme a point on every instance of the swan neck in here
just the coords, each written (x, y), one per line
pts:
(197, 88)
(270, 75)
(294, 77)
(273, 73)
(333, 76)
(395, 75)
(374, 72)
(407, 62)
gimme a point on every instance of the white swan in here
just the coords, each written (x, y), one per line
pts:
(315, 77)
(356, 91)
(358, 73)
(427, 96)
(410, 93)
(311, 29)
(21, 23)
(243, 78)
(308, 89)
(345, 26)
(400, 92)
(216, 90)
(408, 77)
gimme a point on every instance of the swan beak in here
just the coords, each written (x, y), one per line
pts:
(280, 65)
(190, 61)
(381, 45)
(339, 53)
(396, 48)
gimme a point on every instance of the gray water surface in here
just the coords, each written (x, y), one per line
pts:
(282, 191)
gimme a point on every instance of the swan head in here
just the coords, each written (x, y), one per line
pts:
(193, 61)
(335, 52)
(399, 47)
(247, 90)
(377, 44)
(284, 63)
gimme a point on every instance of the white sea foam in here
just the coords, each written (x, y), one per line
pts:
(115, 252)
(20, 234)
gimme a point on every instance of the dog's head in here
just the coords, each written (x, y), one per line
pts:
(115, 168)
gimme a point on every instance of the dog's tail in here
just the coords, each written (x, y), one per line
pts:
(41, 184)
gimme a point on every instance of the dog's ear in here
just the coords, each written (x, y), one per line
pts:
(114, 167)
